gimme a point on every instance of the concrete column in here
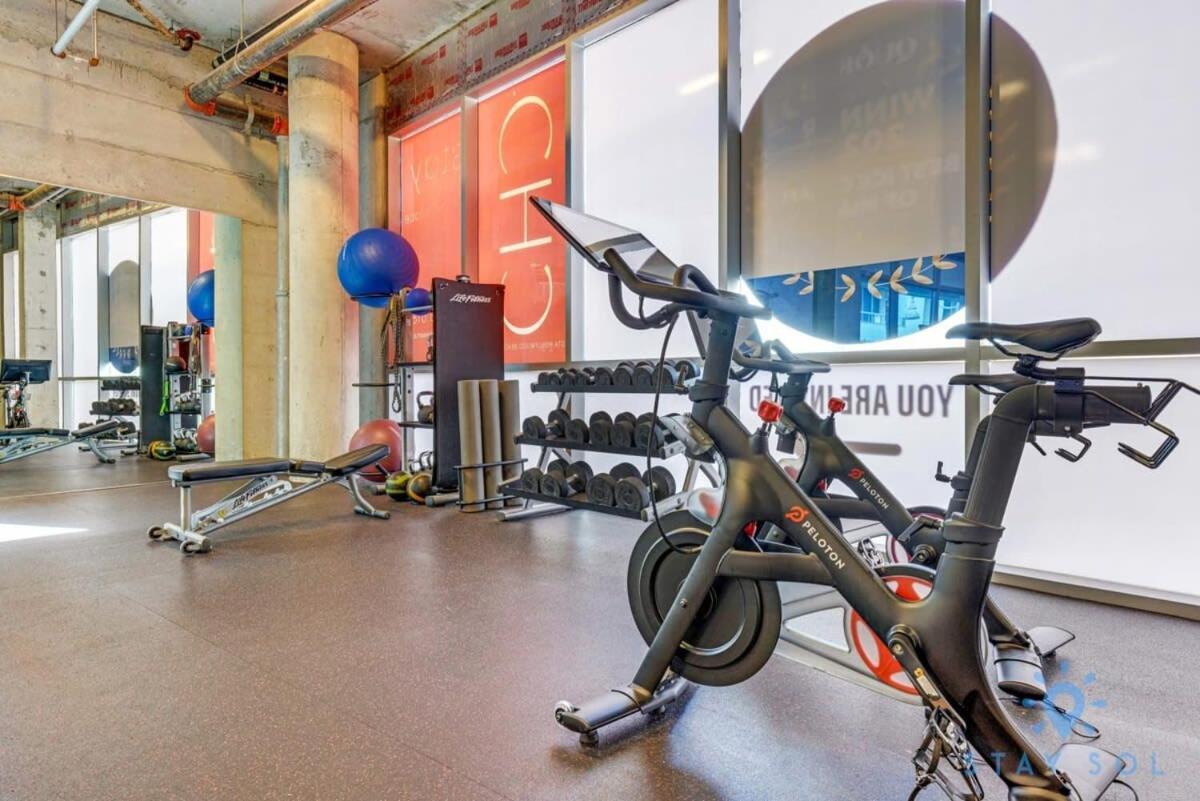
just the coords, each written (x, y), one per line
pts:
(227, 261)
(373, 212)
(259, 244)
(322, 212)
(37, 235)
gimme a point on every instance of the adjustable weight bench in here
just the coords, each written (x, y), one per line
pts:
(270, 481)
(19, 443)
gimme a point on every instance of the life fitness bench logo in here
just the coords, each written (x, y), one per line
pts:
(798, 514)
(463, 297)
(859, 475)
(523, 192)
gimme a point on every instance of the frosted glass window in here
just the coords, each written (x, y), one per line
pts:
(119, 255)
(1060, 520)
(168, 266)
(650, 154)
(852, 171)
(80, 325)
(901, 419)
(12, 306)
(1097, 216)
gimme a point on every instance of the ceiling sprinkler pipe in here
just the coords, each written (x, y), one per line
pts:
(60, 47)
(272, 46)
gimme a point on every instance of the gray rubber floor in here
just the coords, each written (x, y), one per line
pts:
(316, 655)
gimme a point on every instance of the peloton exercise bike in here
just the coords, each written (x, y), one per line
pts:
(707, 600)
(914, 533)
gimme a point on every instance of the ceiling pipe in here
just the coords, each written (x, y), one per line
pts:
(184, 38)
(273, 45)
(60, 47)
(15, 204)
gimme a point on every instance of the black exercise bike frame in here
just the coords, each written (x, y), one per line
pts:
(759, 491)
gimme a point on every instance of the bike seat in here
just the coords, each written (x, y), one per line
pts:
(1051, 336)
(1004, 382)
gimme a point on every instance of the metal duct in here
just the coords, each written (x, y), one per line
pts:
(273, 45)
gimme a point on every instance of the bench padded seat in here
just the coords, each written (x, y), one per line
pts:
(33, 432)
(307, 467)
(96, 429)
(356, 460)
(248, 468)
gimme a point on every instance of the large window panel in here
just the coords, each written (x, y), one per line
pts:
(168, 266)
(852, 171)
(650, 154)
(1084, 519)
(12, 307)
(79, 324)
(121, 306)
(522, 153)
(1095, 164)
(430, 183)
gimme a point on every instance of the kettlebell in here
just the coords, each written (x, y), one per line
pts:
(396, 485)
(425, 408)
(420, 485)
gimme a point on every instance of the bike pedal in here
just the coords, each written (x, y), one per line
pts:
(1088, 770)
(1019, 672)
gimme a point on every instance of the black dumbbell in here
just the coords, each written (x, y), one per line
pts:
(543, 378)
(600, 429)
(634, 493)
(602, 376)
(643, 375)
(570, 481)
(667, 376)
(531, 480)
(567, 376)
(686, 370)
(623, 431)
(602, 490)
(534, 427)
(577, 431)
(623, 374)
(624, 470)
(587, 376)
(557, 423)
(648, 434)
(553, 379)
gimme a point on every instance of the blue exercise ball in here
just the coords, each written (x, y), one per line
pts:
(201, 297)
(376, 263)
(418, 298)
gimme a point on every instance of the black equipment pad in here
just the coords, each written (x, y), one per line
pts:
(248, 468)
(96, 429)
(356, 460)
(13, 433)
(1051, 336)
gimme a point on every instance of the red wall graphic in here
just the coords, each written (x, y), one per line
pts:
(431, 208)
(522, 153)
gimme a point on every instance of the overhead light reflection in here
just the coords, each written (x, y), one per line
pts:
(13, 532)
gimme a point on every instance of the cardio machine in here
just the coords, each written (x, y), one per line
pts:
(914, 534)
(708, 603)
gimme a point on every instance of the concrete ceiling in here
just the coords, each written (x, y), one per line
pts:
(385, 32)
(15, 185)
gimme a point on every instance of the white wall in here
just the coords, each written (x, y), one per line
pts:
(11, 308)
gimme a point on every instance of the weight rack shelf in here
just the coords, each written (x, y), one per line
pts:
(665, 452)
(604, 389)
(514, 489)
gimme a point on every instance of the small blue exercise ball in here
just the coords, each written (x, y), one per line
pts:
(201, 297)
(376, 263)
(418, 298)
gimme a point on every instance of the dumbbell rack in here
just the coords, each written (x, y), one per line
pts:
(537, 504)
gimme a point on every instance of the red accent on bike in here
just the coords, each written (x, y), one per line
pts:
(874, 653)
(856, 474)
(836, 405)
(796, 514)
(750, 529)
(770, 411)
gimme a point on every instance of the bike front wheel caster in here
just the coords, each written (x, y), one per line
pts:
(156, 533)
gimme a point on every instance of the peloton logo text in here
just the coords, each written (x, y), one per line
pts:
(859, 475)
(798, 514)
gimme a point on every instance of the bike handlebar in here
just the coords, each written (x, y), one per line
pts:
(706, 297)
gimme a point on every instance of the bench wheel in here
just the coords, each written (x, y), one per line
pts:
(188, 548)
(156, 533)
